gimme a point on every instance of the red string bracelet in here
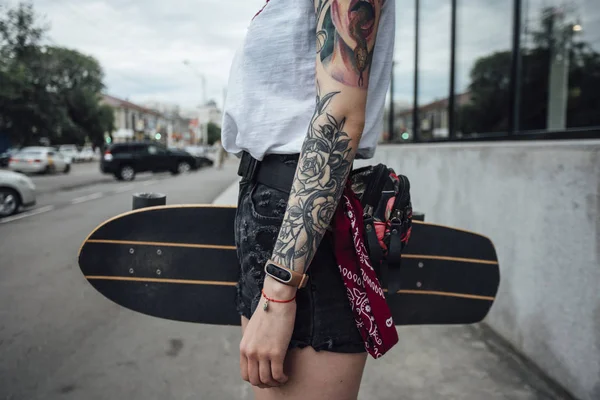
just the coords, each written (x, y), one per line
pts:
(274, 300)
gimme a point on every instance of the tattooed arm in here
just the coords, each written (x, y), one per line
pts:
(346, 31)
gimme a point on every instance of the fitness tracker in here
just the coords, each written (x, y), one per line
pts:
(285, 275)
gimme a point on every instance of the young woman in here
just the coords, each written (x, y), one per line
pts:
(300, 336)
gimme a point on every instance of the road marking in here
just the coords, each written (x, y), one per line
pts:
(27, 214)
(88, 197)
(152, 182)
(125, 189)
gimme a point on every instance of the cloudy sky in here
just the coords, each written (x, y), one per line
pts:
(142, 44)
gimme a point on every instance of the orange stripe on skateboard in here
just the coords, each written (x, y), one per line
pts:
(447, 294)
(444, 258)
(221, 283)
(220, 247)
(157, 280)
(163, 244)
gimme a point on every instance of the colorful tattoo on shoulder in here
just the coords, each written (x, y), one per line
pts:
(346, 38)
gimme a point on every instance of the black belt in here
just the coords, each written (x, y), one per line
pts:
(275, 170)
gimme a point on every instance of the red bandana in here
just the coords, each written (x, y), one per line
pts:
(372, 314)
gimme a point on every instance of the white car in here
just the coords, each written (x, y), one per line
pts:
(86, 154)
(16, 190)
(69, 152)
(39, 160)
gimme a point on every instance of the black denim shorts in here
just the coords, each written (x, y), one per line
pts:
(324, 319)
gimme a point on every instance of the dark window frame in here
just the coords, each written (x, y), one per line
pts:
(513, 132)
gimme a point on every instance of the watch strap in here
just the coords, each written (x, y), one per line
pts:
(285, 275)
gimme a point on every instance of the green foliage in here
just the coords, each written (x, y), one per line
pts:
(488, 110)
(47, 92)
(214, 133)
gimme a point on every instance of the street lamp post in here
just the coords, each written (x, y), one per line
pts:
(199, 75)
(204, 124)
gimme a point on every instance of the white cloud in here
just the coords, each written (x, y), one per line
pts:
(142, 44)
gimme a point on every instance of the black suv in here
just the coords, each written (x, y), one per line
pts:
(124, 160)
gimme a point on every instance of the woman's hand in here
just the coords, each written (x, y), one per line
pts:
(267, 336)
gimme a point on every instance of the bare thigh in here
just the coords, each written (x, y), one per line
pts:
(317, 375)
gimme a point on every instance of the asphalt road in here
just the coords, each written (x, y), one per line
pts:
(81, 174)
(60, 339)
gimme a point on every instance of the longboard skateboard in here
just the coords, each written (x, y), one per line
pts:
(179, 263)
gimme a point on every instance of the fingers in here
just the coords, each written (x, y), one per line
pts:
(263, 373)
(253, 373)
(277, 371)
(244, 367)
(264, 369)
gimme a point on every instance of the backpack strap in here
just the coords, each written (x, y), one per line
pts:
(375, 251)
(394, 257)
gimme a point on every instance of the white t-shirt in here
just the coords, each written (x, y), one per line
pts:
(271, 92)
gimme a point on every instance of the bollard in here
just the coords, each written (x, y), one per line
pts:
(418, 216)
(143, 200)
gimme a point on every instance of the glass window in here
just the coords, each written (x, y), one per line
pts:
(560, 73)
(434, 68)
(404, 74)
(483, 60)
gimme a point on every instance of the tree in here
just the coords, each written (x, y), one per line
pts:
(214, 133)
(490, 78)
(487, 110)
(47, 91)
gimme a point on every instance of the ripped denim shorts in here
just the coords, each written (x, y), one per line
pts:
(324, 319)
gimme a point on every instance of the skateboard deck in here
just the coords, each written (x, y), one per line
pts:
(179, 263)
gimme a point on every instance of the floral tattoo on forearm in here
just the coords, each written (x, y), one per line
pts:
(323, 167)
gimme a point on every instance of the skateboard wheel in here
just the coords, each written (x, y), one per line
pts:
(143, 200)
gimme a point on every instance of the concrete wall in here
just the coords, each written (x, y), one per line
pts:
(540, 204)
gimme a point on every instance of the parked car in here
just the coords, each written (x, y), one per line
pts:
(5, 157)
(39, 160)
(16, 190)
(69, 152)
(86, 154)
(201, 155)
(124, 160)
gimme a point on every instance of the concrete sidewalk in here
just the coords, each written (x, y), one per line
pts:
(447, 362)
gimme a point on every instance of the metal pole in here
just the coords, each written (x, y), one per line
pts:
(391, 108)
(451, 97)
(416, 127)
(515, 72)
